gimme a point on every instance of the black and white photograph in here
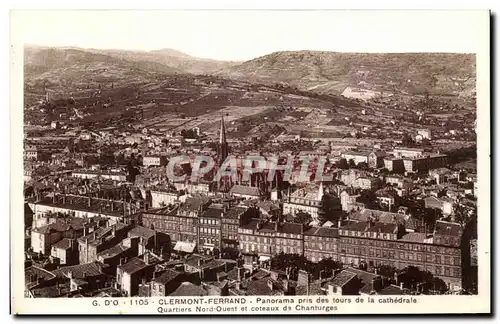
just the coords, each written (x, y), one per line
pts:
(249, 161)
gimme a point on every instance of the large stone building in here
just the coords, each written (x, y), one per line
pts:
(306, 200)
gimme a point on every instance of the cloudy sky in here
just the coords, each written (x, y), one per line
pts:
(242, 35)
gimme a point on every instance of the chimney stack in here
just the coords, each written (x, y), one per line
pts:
(270, 284)
(89, 201)
(146, 257)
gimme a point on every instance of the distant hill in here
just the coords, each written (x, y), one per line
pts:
(171, 58)
(68, 68)
(331, 72)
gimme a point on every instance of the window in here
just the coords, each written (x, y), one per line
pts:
(438, 259)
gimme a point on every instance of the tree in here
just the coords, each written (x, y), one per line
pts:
(386, 271)
(422, 281)
(302, 218)
(368, 198)
(461, 214)
(407, 140)
(363, 166)
(342, 164)
(282, 261)
(330, 209)
(351, 163)
(325, 267)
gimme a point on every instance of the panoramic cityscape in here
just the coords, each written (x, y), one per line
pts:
(157, 173)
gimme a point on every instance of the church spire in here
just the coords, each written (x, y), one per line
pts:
(222, 148)
(222, 135)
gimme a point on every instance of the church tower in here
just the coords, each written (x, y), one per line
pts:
(222, 148)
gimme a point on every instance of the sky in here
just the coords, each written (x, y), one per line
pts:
(243, 35)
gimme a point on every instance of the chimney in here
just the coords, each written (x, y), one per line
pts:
(89, 201)
(112, 206)
(146, 257)
(339, 223)
(270, 284)
(54, 198)
(401, 285)
(64, 199)
(377, 283)
(241, 274)
(113, 230)
(286, 286)
(276, 226)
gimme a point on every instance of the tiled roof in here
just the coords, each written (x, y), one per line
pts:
(97, 205)
(235, 212)
(383, 228)
(189, 289)
(261, 287)
(113, 251)
(414, 237)
(102, 232)
(245, 190)
(58, 226)
(378, 215)
(290, 228)
(53, 291)
(268, 206)
(322, 231)
(359, 227)
(80, 271)
(391, 290)
(141, 231)
(366, 277)
(31, 274)
(342, 278)
(448, 228)
(64, 244)
(214, 211)
(134, 265)
(167, 276)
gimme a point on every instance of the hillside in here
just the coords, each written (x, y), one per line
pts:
(69, 70)
(330, 72)
(170, 58)
(96, 88)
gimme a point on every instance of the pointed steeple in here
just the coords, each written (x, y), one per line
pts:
(222, 147)
(222, 135)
